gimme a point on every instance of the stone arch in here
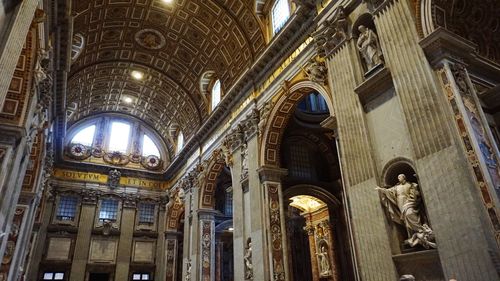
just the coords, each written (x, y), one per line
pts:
(476, 21)
(175, 213)
(283, 109)
(312, 190)
(211, 171)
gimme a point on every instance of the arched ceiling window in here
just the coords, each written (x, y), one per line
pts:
(149, 147)
(119, 136)
(85, 136)
(279, 14)
(117, 140)
(216, 93)
(180, 141)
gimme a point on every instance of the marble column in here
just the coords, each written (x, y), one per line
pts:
(170, 250)
(124, 251)
(206, 245)
(345, 73)
(257, 205)
(309, 228)
(275, 222)
(82, 244)
(161, 252)
(448, 55)
(190, 270)
(235, 145)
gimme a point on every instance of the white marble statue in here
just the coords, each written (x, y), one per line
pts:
(369, 47)
(407, 277)
(403, 203)
(244, 161)
(324, 262)
(248, 261)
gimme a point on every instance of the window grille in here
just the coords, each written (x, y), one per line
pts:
(109, 210)
(53, 276)
(141, 276)
(146, 213)
(66, 211)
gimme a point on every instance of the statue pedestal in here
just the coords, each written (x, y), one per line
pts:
(424, 265)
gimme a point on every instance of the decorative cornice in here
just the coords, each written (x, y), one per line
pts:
(274, 174)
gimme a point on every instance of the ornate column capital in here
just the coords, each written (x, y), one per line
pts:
(235, 138)
(90, 196)
(269, 173)
(331, 33)
(129, 200)
(250, 125)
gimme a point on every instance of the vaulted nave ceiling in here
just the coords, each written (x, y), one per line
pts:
(172, 44)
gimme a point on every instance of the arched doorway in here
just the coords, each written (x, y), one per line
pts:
(224, 262)
(318, 243)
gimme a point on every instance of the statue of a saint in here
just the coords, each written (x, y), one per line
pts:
(188, 271)
(368, 46)
(324, 263)
(248, 261)
(403, 202)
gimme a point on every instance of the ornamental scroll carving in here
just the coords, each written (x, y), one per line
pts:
(315, 71)
(331, 33)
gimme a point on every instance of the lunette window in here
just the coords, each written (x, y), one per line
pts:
(85, 136)
(149, 147)
(180, 141)
(119, 136)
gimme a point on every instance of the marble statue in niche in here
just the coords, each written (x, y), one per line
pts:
(369, 47)
(248, 260)
(403, 202)
(324, 262)
(188, 271)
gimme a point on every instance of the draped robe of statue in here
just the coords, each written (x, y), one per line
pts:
(402, 202)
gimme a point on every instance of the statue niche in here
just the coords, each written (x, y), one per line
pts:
(404, 206)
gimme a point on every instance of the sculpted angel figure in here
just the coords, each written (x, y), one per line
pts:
(369, 47)
(403, 202)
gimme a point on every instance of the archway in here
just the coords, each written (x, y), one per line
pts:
(296, 140)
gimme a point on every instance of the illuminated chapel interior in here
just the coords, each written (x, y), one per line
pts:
(250, 140)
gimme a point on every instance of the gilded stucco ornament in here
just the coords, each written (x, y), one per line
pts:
(403, 203)
(114, 178)
(331, 33)
(315, 71)
(264, 113)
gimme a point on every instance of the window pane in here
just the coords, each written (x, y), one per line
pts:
(146, 213)
(215, 94)
(67, 208)
(180, 141)
(85, 136)
(136, 277)
(59, 276)
(149, 147)
(281, 13)
(145, 277)
(109, 209)
(120, 133)
(48, 276)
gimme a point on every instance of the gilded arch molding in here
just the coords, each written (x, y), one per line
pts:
(283, 109)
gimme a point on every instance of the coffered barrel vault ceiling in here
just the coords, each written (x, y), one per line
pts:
(173, 44)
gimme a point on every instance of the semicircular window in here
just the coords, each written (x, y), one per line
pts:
(149, 147)
(119, 141)
(313, 103)
(85, 136)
